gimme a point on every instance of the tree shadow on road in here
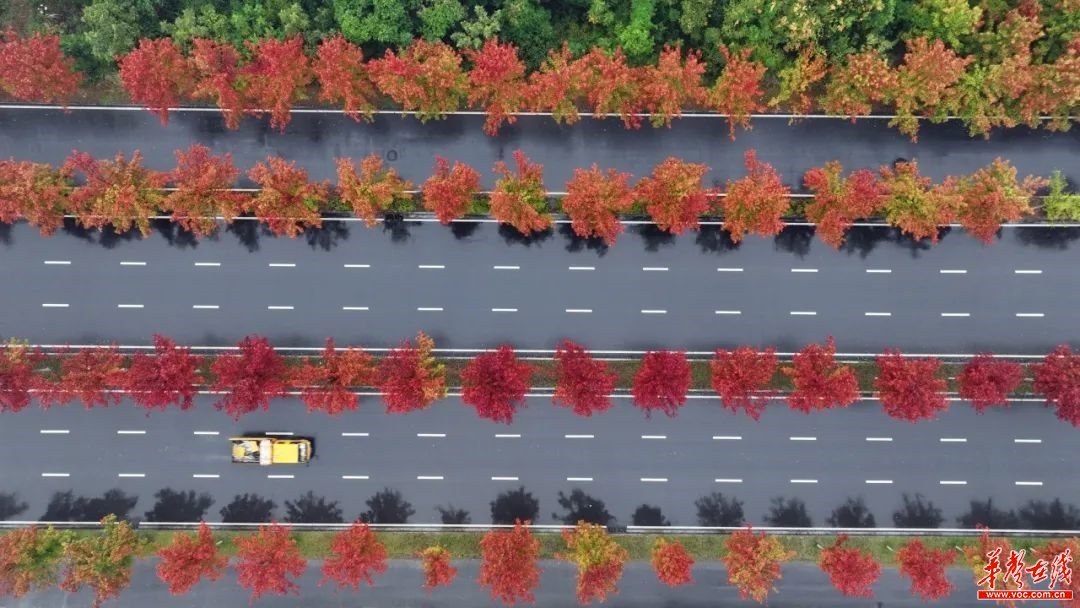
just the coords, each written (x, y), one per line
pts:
(248, 232)
(654, 238)
(451, 515)
(463, 230)
(511, 236)
(10, 506)
(579, 506)
(852, 514)
(648, 515)
(387, 507)
(575, 243)
(714, 239)
(397, 228)
(1052, 515)
(65, 506)
(788, 513)
(176, 236)
(718, 510)
(106, 237)
(795, 239)
(248, 508)
(513, 505)
(917, 512)
(328, 236)
(1047, 238)
(986, 513)
(312, 509)
(172, 505)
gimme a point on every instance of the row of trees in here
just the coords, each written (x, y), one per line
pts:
(123, 194)
(431, 79)
(495, 383)
(269, 560)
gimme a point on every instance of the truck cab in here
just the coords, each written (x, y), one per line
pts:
(266, 451)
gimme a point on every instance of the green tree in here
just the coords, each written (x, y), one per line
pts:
(1060, 205)
(114, 26)
(528, 25)
(475, 31)
(202, 22)
(438, 18)
(636, 38)
(948, 20)
(385, 22)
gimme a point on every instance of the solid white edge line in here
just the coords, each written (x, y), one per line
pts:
(360, 477)
(727, 480)
(1028, 483)
(498, 478)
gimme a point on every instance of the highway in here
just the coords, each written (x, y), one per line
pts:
(475, 285)
(803, 586)
(314, 140)
(446, 456)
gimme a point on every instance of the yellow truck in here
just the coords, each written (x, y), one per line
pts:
(266, 451)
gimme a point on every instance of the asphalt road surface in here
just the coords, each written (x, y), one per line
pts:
(315, 140)
(446, 456)
(475, 285)
(802, 586)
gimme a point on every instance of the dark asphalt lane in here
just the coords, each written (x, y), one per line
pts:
(315, 140)
(802, 586)
(474, 287)
(445, 455)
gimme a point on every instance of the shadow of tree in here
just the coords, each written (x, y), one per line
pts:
(917, 512)
(852, 514)
(328, 236)
(179, 506)
(451, 515)
(511, 236)
(985, 513)
(795, 240)
(65, 506)
(788, 513)
(463, 230)
(1047, 238)
(248, 232)
(106, 237)
(579, 506)
(714, 239)
(176, 236)
(654, 237)
(312, 509)
(718, 510)
(10, 506)
(1053, 515)
(248, 508)
(397, 228)
(513, 505)
(648, 515)
(575, 243)
(387, 507)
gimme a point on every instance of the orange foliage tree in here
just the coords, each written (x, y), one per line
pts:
(410, 378)
(594, 200)
(672, 563)
(671, 85)
(276, 77)
(992, 196)
(435, 562)
(34, 191)
(926, 569)
(93, 375)
(286, 202)
(925, 84)
(118, 192)
(103, 562)
(741, 378)
(343, 78)
(426, 78)
(913, 204)
(819, 381)
(798, 80)
(168, 377)
(611, 85)
(599, 560)
(157, 75)
(326, 385)
(856, 85)
(839, 201)
(497, 82)
(30, 560)
(449, 193)
(356, 556)
(267, 559)
(203, 183)
(249, 378)
(374, 191)
(217, 67)
(852, 571)
(189, 558)
(36, 69)
(558, 85)
(508, 564)
(520, 199)
(18, 379)
(755, 203)
(737, 91)
(673, 195)
(583, 383)
(753, 563)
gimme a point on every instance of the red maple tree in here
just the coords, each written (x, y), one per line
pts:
(1058, 379)
(30, 560)
(582, 383)
(755, 203)
(410, 378)
(119, 192)
(1051, 551)
(217, 69)
(157, 75)
(286, 202)
(495, 383)
(372, 192)
(599, 560)
(276, 77)
(356, 556)
(190, 558)
(852, 571)
(497, 82)
(594, 200)
(753, 563)
(926, 569)
(93, 375)
(343, 77)
(202, 185)
(249, 378)
(672, 563)
(856, 85)
(101, 562)
(449, 193)
(508, 564)
(737, 91)
(992, 196)
(819, 381)
(913, 204)
(910, 389)
(741, 378)
(611, 85)
(839, 201)
(426, 78)
(661, 382)
(435, 562)
(267, 559)
(986, 381)
(17, 376)
(673, 195)
(36, 69)
(520, 199)
(558, 85)
(798, 80)
(326, 385)
(168, 377)
(35, 192)
(926, 83)
(671, 85)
